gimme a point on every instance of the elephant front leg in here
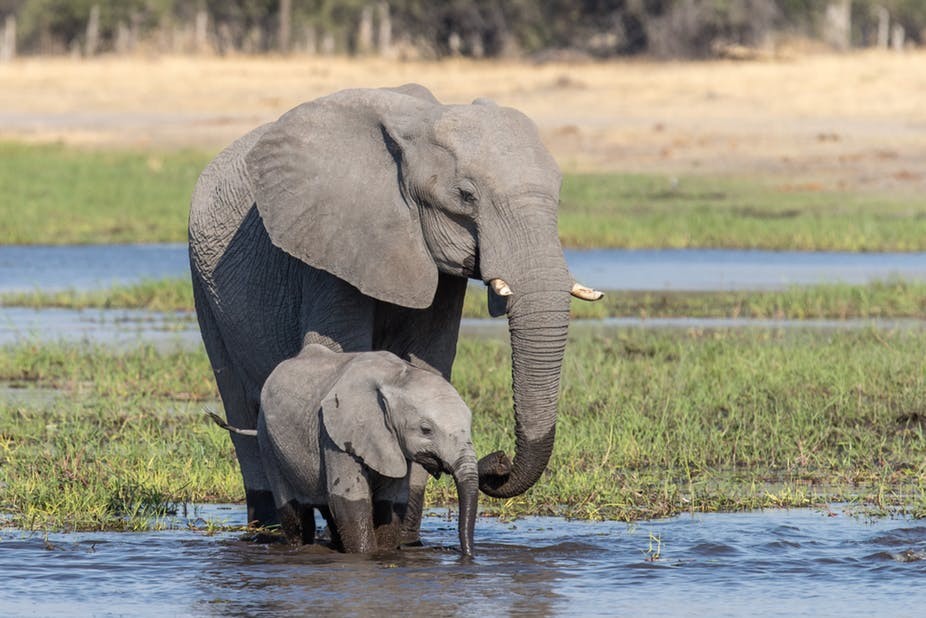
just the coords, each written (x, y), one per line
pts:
(350, 502)
(410, 531)
(390, 503)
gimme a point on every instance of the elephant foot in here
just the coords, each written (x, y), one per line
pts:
(298, 523)
(261, 509)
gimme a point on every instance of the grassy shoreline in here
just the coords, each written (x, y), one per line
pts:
(63, 195)
(895, 298)
(651, 424)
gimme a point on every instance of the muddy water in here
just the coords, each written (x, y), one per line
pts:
(86, 267)
(781, 563)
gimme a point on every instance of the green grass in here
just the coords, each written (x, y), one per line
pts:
(647, 211)
(153, 295)
(58, 195)
(886, 299)
(650, 424)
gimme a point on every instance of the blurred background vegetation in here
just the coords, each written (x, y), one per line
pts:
(538, 29)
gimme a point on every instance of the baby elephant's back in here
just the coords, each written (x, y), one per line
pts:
(288, 428)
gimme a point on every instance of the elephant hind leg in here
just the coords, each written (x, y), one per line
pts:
(239, 411)
(334, 535)
(298, 523)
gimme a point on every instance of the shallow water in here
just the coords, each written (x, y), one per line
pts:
(84, 267)
(784, 563)
(122, 328)
(116, 327)
(26, 268)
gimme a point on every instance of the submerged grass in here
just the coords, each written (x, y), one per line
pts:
(894, 298)
(55, 194)
(650, 424)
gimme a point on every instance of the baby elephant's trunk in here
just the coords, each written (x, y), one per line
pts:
(466, 476)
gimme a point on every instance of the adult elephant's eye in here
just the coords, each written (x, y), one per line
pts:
(467, 196)
(426, 429)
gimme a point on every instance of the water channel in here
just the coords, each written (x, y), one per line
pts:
(26, 268)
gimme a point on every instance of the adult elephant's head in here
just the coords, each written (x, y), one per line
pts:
(385, 188)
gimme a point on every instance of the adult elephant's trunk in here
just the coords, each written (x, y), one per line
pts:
(538, 322)
(467, 481)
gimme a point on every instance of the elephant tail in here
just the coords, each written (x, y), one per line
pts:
(221, 423)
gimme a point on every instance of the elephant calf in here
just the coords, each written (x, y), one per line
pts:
(337, 432)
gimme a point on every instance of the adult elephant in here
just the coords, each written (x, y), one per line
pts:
(354, 221)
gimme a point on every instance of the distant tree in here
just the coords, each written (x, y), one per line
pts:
(600, 28)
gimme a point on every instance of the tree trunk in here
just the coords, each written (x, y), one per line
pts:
(384, 37)
(898, 36)
(837, 26)
(92, 44)
(286, 15)
(884, 27)
(8, 39)
(365, 32)
(201, 29)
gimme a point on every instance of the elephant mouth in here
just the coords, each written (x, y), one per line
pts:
(431, 463)
(471, 267)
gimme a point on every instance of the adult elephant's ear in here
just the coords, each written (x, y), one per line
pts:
(327, 180)
(354, 416)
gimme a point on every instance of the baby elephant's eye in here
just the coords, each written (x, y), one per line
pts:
(426, 429)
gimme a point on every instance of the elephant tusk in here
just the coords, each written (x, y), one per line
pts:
(580, 291)
(500, 287)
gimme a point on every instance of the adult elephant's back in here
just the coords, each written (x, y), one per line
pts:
(246, 292)
(242, 281)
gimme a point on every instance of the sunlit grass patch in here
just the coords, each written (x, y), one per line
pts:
(56, 194)
(652, 211)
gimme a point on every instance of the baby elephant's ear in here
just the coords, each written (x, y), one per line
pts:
(354, 417)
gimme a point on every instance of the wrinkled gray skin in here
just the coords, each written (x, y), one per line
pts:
(339, 432)
(354, 222)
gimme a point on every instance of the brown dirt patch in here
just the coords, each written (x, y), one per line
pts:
(854, 121)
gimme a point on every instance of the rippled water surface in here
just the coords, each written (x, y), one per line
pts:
(782, 563)
(85, 267)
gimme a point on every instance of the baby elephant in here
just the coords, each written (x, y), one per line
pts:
(337, 432)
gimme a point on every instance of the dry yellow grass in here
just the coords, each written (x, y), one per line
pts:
(853, 121)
